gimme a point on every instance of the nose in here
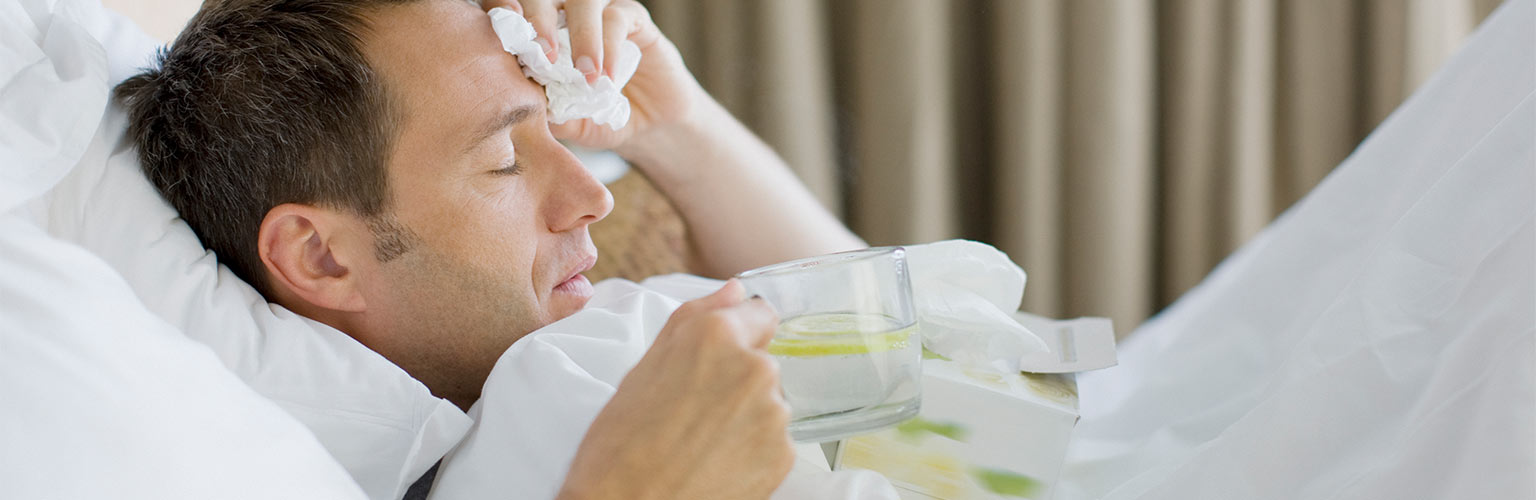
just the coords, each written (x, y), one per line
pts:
(576, 198)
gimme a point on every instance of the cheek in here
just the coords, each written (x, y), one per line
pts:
(502, 228)
(488, 224)
(447, 313)
(475, 282)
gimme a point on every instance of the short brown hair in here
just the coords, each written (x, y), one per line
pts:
(259, 103)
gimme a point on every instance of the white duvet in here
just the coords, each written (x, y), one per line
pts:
(1375, 342)
(548, 387)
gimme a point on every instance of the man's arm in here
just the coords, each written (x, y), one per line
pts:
(743, 206)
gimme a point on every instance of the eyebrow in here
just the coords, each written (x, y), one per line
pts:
(499, 123)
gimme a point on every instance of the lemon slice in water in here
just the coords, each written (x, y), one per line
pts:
(833, 334)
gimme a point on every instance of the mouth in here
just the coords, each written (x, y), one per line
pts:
(575, 283)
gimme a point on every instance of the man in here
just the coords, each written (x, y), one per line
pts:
(382, 166)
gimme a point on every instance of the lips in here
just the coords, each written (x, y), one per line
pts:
(575, 271)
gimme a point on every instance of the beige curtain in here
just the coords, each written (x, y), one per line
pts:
(1118, 150)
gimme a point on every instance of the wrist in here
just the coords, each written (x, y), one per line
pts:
(659, 146)
(616, 475)
(582, 484)
(569, 492)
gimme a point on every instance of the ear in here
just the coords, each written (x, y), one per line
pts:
(307, 251)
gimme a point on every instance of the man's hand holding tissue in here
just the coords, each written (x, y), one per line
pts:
(701, 415)
(743, 206)
(661, 92)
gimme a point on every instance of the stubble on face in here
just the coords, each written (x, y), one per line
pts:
(453, 320)
(465, 266)
(391, 239)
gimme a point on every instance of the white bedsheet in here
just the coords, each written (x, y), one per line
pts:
(1375, 342)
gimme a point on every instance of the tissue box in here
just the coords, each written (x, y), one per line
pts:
(985, 435)
(979, 435)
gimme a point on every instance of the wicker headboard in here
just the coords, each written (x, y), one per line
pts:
(643, 237)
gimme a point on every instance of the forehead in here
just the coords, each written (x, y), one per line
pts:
(443, 66)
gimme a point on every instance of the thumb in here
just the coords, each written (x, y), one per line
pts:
(730, 294)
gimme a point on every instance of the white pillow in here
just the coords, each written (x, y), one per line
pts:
(382, 425)
(105, 400)
(102, 399)
(53, 84)
(377, 420)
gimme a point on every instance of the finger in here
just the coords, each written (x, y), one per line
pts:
(584, 18)
(505, 4)
(642, 30)
(731, 293)
(543, 15)
(617, 24)
(759, 322)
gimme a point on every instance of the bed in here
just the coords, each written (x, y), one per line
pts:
(1376, 341)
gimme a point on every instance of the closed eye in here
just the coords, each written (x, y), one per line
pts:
(508, 167)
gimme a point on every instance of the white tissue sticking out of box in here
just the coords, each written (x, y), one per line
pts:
(570, 96)
(966, 295)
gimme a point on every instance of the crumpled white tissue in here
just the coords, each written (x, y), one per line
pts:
(570, 96)
(965, 294)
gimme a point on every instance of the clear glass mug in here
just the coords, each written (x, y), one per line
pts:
(850, 359)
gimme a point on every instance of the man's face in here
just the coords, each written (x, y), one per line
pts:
(496, 211)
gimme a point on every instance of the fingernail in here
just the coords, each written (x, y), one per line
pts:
(585, 66)
(549, 50)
